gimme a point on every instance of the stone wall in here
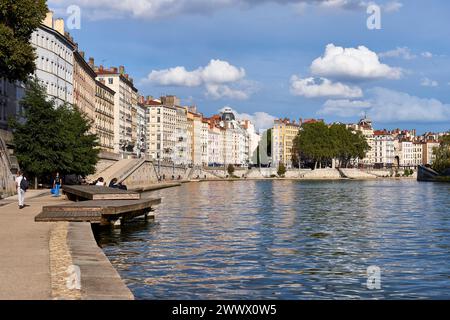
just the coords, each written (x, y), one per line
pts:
(142, 177)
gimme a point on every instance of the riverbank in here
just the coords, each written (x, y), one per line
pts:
(36, 258)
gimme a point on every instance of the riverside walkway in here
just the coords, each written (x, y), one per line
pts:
(35, 256)
(24, 250)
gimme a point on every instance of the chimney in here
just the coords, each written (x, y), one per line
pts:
(48, 21)
(59, 26)
(91, 62)
(149, 98)
(121, 69)
(82, 54)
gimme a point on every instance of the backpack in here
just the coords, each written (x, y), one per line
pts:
(24, 184)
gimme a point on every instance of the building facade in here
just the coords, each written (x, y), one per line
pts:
(384, 151)
(54, 59)
(104, 115)
(125, 102)
(284, 132)
(84, 86)
(10, 95)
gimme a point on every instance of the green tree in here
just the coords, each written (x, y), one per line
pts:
(314, 143)
(442, 154)
(18, 20)
(281, 169)
(49, 138)
(230, 169)
(317, 143)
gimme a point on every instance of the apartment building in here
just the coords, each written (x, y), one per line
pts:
(284, 132)
(54, 59)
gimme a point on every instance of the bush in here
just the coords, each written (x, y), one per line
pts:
(281, 169)
(230, 169)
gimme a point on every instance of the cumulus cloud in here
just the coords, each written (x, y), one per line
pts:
(261, 120)
(220, 79)
(399, 52)
(110, 9)
(216, 92)
(352, 64)
(344, 108)
(322, 87)
(427, 55)
(216, 72)
(387, 105)
(426, 82)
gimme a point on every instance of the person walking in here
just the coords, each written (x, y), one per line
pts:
(57, 182)
(21, 186)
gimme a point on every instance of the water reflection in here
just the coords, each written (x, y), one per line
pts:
(288, 240)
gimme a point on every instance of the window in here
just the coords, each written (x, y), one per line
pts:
(110, 80)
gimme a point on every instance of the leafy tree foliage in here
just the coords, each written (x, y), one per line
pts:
(49, 138)
(18, 20)
(318, 144)
(442, 154)
(281, 169)
(230, 169)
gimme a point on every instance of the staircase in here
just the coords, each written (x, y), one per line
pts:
(120, 170)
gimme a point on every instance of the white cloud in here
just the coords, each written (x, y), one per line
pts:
(216, 92)
(261, 120)
(216, 72)
(321, 87)
(352, 64)
(177, 76)
(385, 105)
(427, 54)
(220, 79)
(426, 82)
(392, 6)
(110, 9)
(399, 52)
(344, 108)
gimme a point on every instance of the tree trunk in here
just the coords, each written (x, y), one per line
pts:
(35, 183)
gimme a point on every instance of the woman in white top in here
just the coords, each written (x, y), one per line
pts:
(100, 182)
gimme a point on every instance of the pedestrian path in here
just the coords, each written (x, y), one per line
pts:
(24, 250)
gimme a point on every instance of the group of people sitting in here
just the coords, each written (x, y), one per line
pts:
(112, 184)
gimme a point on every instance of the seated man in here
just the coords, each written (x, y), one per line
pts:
(114, 184)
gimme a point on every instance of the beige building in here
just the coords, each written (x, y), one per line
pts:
(104, 115)
(125, 101)
(365, 127)
(284, 132)
(84, 87)
(428, 156)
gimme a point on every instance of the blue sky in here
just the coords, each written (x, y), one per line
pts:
(269, 59)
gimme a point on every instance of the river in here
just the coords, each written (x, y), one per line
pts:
(289, 240)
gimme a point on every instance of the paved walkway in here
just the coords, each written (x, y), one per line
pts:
(24, 249)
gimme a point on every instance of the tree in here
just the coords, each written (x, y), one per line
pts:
(317, 143)
(281, 169)
(442, 154)
(230, 169)
(49, 138)
(18, 20)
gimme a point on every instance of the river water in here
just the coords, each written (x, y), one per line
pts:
(289, 240)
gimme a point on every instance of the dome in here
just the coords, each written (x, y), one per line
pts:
(228, 115)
